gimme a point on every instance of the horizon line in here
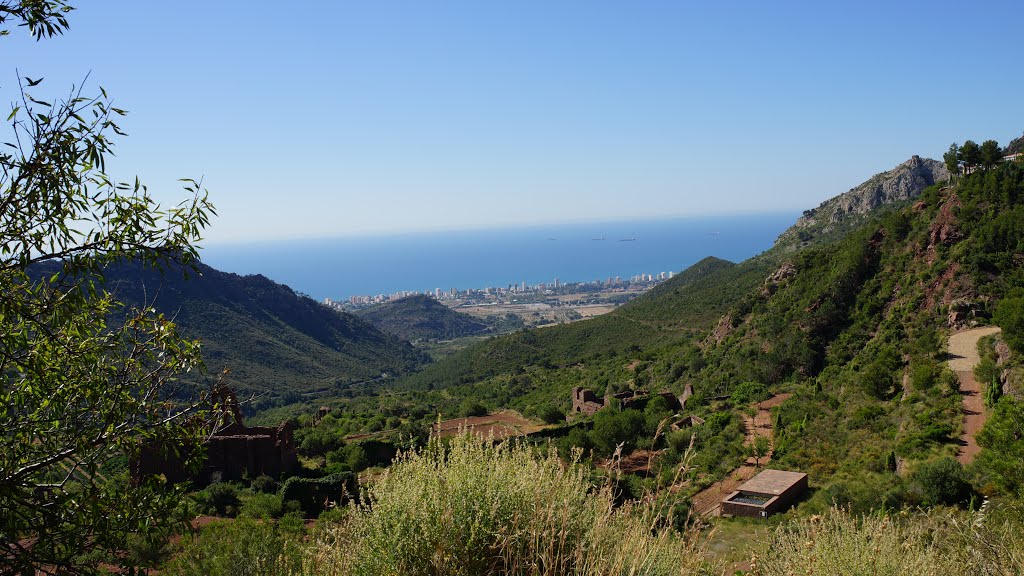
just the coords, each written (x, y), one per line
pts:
(498, 227)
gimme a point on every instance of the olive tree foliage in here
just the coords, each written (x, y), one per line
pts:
(84, 380)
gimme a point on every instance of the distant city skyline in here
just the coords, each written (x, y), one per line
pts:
(512, 288)
(353, 118)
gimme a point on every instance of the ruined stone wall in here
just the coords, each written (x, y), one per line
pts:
(585, 401)
(232, 453)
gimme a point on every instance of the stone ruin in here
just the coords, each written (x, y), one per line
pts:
(585, 401)
(323, 411)
(690, 421)
(233, 451)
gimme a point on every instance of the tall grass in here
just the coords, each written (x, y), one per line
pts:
(936, 543)
(472, 507)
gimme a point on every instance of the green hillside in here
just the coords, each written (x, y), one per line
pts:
(674, 311)
(422, 318)
(270, 338)
(853, 326)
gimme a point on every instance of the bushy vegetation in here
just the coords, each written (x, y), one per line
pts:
(466, 506)
(241, 548)
(1000, 466)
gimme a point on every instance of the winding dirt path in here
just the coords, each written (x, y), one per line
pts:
(963, 357)
(708, 501)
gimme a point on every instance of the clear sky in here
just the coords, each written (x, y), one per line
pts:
(320, 119)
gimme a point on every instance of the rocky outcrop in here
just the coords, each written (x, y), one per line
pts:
(903, 182)
(963, 313)
(1016, 146)
(944, 229)
(771, 283)
(723, 329)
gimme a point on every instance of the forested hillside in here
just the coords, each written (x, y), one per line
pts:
(421, 317)
(674, 311)
(268, 337)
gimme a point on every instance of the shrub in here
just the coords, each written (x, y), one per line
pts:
(312, 494)
(612, 428)
(550, 414)
(1009, 315)
(220, 498)
(241, 548)
(865, 416)
(749, 392)
(266, 506)
(355, 458)
(471, 407)
(941, 481)
(877, 380)
(950, 381)
(923, 374)
(321, 439)
(1001, 463)
(473, 507)
(265, 484)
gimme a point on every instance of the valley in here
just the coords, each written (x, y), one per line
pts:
(511, 289)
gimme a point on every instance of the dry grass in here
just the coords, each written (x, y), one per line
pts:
(937, 543)
(472, 507)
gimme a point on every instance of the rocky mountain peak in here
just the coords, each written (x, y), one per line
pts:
(903, 182)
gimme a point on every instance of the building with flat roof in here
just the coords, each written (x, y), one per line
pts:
(769, 492)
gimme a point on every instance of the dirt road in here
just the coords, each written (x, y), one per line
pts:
(963, 357)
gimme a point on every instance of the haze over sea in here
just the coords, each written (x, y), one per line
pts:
(341, 267)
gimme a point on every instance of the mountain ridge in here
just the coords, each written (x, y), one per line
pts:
(268, 337)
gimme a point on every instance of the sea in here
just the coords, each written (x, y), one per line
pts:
(385, 264)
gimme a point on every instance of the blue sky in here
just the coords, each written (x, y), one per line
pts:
(347, 118)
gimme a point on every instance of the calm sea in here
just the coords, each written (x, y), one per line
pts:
(343, 267)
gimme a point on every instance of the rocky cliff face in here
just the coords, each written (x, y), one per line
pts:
(903, 182)
(1015, 146)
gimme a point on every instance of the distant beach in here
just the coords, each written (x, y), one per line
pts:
(343, 267)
